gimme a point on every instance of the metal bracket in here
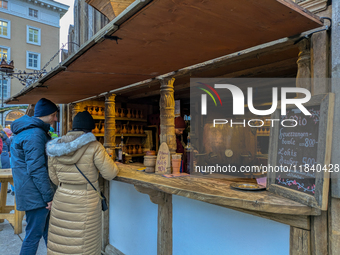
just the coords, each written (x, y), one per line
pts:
(113, 37)
(327, 27)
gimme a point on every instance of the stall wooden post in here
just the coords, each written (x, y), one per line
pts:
(319, 85)
(320, 63)
(64, 119)
(299, 242)
(109, 142)
(69, 117)
(167, 114)
(304, 74)
(110, 121)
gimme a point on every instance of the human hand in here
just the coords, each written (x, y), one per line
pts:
(49, 205)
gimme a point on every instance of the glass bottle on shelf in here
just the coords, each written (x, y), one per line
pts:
(121, 155)
(188, 152)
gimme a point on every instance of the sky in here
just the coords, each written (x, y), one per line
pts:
(65, 21)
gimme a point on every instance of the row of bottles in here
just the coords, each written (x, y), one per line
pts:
(129, 113)
(263, 130)
(121, 154)
(98, 129)
(131, 129)
(188, 160)
(95, 110)
(130, 149)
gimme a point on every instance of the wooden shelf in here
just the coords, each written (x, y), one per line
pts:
(263, 134)
(131, 119)
(135, 135)
(137, 155)
(98, 117)
(117, 135)
(98, 134)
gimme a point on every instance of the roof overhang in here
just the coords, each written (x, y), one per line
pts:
(162, 36)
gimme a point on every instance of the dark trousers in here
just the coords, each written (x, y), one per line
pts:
(37, 227)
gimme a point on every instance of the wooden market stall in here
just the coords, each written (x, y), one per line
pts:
(131, 64)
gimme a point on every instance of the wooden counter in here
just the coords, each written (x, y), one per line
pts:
(214, 191)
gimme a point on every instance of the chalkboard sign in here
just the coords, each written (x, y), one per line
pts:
(299, 157)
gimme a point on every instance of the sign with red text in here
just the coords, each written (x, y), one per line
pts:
(163, 160)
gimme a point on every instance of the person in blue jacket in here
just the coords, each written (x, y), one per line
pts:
(5, 149)
(33, 188)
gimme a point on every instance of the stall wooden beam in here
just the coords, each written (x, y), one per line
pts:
(320, 63)
(299, 242)
(251, 53)
(298, 221)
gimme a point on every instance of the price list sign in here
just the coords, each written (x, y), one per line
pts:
(300, 151)
(297, 150)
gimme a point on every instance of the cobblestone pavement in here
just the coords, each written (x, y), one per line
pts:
(10, 243)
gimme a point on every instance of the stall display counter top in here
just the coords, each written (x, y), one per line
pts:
(214, 191)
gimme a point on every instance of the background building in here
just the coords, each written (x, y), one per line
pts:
(87, 22)
(29, 35)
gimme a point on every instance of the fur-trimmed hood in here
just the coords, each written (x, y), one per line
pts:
(70, 145)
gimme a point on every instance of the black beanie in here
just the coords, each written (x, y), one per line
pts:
(44, 107)
(83, 120)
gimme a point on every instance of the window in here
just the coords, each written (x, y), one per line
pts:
(33, 35)
(4, 4)
(5, 28)
(4, 52)
(4, 83)
(33, 60)
(33, 13)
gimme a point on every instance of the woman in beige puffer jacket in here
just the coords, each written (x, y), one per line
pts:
(75, 223)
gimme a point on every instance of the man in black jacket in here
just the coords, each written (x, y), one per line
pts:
(33, 189)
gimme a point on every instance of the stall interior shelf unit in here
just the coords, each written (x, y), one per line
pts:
(97, 117)
(125, 135)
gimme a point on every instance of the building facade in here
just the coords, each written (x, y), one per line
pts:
(87, 22)
(29, 35)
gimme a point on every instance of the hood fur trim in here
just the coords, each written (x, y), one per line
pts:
(57, 149)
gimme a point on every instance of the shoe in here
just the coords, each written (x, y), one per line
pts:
(12, 193)
(8, 191)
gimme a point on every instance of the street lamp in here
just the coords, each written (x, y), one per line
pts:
(8, 69)
(26, 79)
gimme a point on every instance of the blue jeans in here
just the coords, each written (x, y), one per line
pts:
(37, 227)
